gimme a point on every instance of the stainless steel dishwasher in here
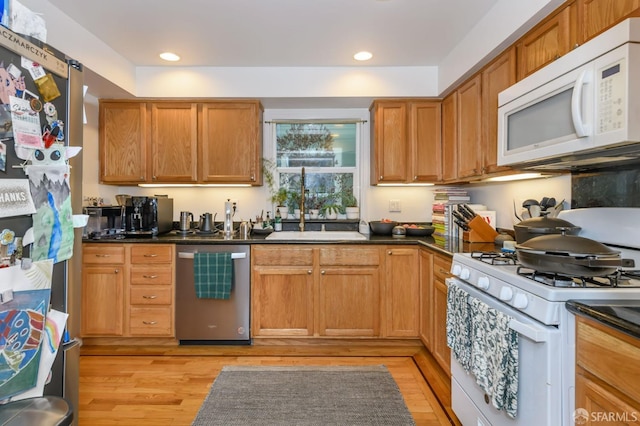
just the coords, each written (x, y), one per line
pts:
(213, 321)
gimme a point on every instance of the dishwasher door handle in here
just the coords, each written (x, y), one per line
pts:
(189, 255)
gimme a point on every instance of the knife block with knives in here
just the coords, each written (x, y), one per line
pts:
(480, 231)
(475, 229)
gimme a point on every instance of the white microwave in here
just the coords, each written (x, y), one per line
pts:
(581, 111)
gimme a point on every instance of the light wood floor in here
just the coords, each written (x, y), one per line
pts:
(125, 386)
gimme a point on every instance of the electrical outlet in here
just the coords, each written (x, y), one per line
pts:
(394, 206)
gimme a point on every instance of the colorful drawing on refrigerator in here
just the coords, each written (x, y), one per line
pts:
(25, 296)
(54, 328)
(48, 173)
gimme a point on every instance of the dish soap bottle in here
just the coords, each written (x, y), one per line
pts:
(277, 224)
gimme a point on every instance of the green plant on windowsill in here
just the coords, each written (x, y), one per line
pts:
(349, 200)
(330, 211)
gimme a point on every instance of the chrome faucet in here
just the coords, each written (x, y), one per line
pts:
(302, 197)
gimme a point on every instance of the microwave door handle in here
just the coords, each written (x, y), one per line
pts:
(576, 105)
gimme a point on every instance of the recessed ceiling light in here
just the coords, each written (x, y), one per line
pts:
(363, 56)
(168, 56)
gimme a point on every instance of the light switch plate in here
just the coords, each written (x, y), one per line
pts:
(394, 206)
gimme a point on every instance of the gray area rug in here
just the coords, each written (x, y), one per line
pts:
(246, 395)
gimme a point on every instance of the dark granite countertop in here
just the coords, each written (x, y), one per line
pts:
(623, 315)
(447, 248)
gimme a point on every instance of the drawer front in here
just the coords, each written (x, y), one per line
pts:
(151, 295)
(350, 256)
(151, 253)
(161, 274)
(101, 254)
(282, 256)
(441, 267)
(154, 321)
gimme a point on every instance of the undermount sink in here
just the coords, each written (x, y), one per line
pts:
(316, 235)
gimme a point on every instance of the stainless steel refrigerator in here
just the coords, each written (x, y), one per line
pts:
(17, 51)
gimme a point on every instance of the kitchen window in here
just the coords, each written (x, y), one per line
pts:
(328, 150)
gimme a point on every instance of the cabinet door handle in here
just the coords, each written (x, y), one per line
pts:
(389, 252)
(153, 277)
(309, 272)
(323, 272)
(149, 322)
(151, 255)
(115, 271)
(150, 297)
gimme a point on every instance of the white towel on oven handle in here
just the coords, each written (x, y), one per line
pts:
(494, 356)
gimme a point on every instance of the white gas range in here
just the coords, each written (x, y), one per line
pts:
(534, 304)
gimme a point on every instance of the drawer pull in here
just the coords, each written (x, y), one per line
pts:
(150, 255)
(102, 255)
(153, 277)
(149, 322)
(150, 297)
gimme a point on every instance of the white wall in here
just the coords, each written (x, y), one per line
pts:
(502, 196)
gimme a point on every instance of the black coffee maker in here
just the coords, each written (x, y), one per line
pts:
(148, 216)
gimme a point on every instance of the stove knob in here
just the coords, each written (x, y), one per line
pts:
(483, 283)
(520, 301)
(456, 270)
(465, 274)
(506, 293)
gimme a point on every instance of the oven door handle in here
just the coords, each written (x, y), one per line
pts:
(189, 255)
(530, 332)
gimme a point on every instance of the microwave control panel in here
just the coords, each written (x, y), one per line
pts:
(611, 81)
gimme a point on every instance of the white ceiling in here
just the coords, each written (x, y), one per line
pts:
(279, 33)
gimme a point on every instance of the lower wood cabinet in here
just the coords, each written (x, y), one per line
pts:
(607, 373)
(128, 290)
(335, 291)
(425, 328)
(440, 350)
(402, 287)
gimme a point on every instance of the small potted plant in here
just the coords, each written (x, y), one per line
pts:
(331, 210)
(314, 204)
(350, 204)
(280, 198)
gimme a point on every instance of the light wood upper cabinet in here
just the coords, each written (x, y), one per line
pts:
(160, 141)
(426, 143)
(595, 16)
(389, 146)
(405, 141)
(552, 38)
(230, 142)
(124, 141)
(450, 137)
(469, 127)
(174, 142)
(497, 76)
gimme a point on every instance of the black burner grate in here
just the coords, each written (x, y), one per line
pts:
(495, 258)
(559, 280)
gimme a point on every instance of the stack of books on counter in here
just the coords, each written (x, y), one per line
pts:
(445, 201)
